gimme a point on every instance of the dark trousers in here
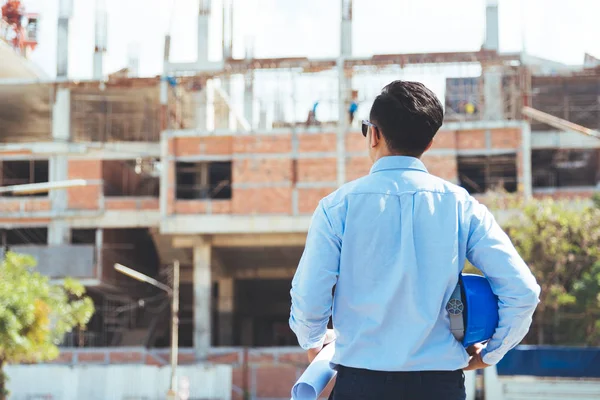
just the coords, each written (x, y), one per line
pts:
(362, 384)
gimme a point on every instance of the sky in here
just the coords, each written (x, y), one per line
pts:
(553, 29)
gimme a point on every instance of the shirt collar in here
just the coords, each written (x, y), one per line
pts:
(398, 162)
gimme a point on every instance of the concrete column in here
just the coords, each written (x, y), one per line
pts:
(200, 109)
(203, 31)
(59, 231)
(202, 296)
(249, 86)
(493, 96)
(342, 123)
(223, 116)
(249, 98)
(166, 187)
(61, 115)
(493, 387)
(99, 252)
(101, 38)
(227, 29)
(204, 102)
(492, 26)
(65, 12)
(343, 86)
(225, 311)
(346, 33)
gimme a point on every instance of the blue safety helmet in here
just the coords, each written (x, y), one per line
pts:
(473, 310)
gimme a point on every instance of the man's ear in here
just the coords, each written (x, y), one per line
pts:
(375, 136)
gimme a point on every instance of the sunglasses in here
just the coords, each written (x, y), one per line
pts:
(365, 127)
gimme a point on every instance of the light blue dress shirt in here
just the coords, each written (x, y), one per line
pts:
(393, 244)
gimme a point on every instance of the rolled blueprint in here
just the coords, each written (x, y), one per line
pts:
(316, 377)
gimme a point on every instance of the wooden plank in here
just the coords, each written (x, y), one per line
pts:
(558, 123)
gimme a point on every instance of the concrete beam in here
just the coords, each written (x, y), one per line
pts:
(189, 242)
(259, 240)
(114, 219)
(450, 126)
(105, 151)
(263, 273)
(563, 140)
(230, 224)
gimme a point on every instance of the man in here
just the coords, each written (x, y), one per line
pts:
(312, 115)
(393, 244)
(353, 107)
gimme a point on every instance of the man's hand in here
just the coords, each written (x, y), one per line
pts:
(475, 362)
(329, 337)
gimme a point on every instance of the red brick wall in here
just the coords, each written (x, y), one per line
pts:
(186, 146)
(355, 142)
(317, 142)
(445, 140)
(269, 188)
(308, 199)
(28, 221)
(443, 166)
(85, 197)
(262, 144)
(16, 204)
(474, 139)
(263, 171)
(357, 167)
(266, 170)
(129, 203)
(202, 206)
(506, 138)
(317, 169)
(266, 200)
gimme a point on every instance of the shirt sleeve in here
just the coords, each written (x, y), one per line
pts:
(489, 248)
(313, 282)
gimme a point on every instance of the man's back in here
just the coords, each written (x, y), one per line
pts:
(393, 245)
(404, 234)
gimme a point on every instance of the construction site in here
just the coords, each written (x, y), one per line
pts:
(220, 164)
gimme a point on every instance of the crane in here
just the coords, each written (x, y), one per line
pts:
(17, 27)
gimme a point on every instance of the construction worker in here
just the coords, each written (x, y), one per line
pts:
(353, 107)
(312, 115)
(393, 245)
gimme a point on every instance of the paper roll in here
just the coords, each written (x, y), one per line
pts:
(316, 377)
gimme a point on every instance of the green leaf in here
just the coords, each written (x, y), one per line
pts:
(74, 287)
(34, 314)
(560, 241)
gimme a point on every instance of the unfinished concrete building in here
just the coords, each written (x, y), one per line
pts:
(186, 167)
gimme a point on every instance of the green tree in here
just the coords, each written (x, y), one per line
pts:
(560, 241)
(34, 314)
(596, 199)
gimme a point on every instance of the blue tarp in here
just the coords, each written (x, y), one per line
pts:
(550, 361)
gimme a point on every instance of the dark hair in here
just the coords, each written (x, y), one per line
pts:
(408, 115)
